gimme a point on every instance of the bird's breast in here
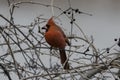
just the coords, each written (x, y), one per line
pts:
(55, 39)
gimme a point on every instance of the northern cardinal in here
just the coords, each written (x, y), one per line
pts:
(55, 37)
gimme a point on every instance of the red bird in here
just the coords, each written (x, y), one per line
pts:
(55, 37)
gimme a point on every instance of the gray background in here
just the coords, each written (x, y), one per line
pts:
(104, 25)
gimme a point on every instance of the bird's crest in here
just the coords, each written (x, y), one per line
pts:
(51, 21)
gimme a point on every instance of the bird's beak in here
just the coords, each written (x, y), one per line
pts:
(44, 27)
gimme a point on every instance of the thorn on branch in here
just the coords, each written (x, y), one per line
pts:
(30, 30)
(64, 12)
(86, 51)
(115, 39)
(76, 10)
(39, 31)
(108, 50)
(71, 22)
(69, 12)
(119, 42)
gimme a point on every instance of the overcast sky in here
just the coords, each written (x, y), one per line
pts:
(104, 25)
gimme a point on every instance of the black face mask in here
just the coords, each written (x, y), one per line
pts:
(46, 27)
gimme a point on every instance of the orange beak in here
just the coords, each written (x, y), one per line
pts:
(44, 27)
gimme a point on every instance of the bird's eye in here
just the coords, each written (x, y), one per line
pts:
(48, 26)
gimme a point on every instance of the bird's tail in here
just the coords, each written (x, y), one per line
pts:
(63, 58)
